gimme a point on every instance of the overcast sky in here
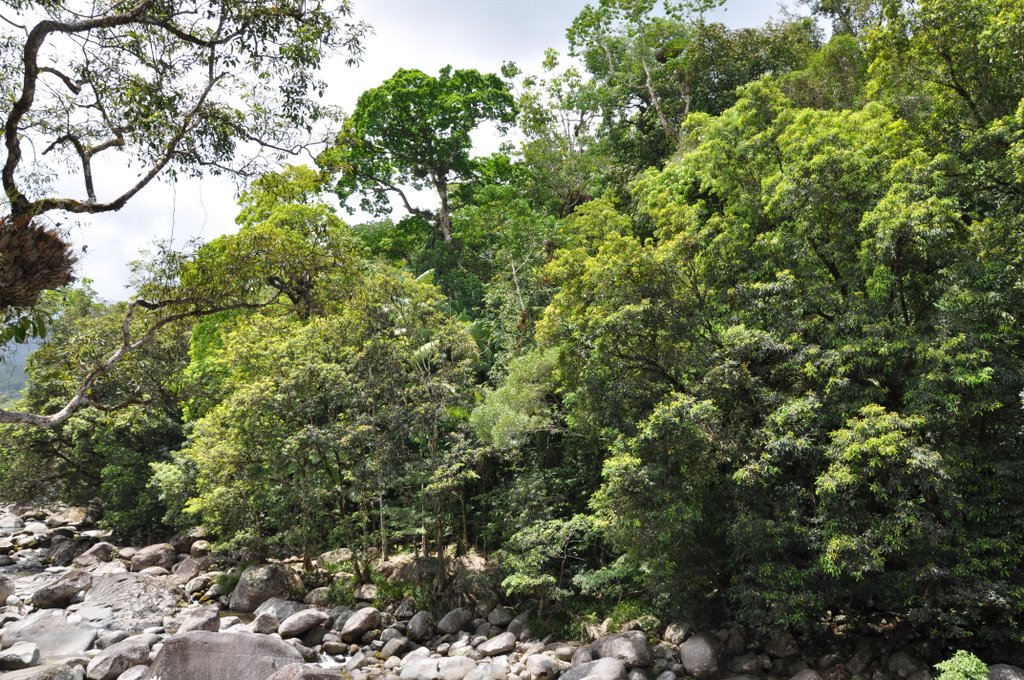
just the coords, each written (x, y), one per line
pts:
(478, 34)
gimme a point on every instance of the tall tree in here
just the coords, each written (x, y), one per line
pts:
(413, 131)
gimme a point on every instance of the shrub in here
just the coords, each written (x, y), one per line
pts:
(962, 666)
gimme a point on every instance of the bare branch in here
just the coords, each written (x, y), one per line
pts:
(13, 23)
(91, 206)
(20, 204)
(72, 85)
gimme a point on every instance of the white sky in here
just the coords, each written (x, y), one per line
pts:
(421, 34)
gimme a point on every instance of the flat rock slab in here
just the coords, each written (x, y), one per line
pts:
(65, 670)
(203, 655)
(54, 631)
(136, 601)
(304, 672)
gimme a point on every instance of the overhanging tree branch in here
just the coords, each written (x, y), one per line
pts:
(128, 344)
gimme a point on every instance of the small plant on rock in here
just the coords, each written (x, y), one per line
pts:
(962, 666)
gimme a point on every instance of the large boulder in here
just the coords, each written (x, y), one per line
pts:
(360, 623)
(203, 655)
(279, 607)
(1002, 671)
(421, 626)
(21, 655)
(159, 555)
(446, 668)
(61, 592)
(541, 667)
(189, 568)
(501, 616)
(520, 626)
(116, 659)
(302, 622)
(134, 673)
(6, 589)
(497, 645)
(11, 521)
(602, 669)
(200, 618)
(54, 631)
(700, 654)
(396, 647)
(631, 647)
(260, 583)
(103, 551)
(63, 554)
(71, 515)
(299, 671)
(454, 621)
(489, 671)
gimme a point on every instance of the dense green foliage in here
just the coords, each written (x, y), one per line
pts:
(725, 338)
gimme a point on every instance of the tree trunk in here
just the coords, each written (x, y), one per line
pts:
(444, 215)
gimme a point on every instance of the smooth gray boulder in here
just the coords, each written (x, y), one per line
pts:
(1002, 671)
(260, 583)
(55, 631)
(455, 667)
(158, 555)
(265, 623)
(520, 626)
(201, 618)
(419, 668)
(20, 655)
(500, 616)
(279, 607)
(602, 669)
(103, 551)
(302, 622)
(189, 568)
(489, 671)
(497, 645)
(116, 659)
(631, 647)
(134, 673)
(203, 655)
(541, 667)
(360, 623)
(445, 668)
(421, 626)
(454, 621)
(396, 647)
(700, 654)
(806, 674)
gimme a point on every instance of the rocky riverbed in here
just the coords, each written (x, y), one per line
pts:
(78, 607)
